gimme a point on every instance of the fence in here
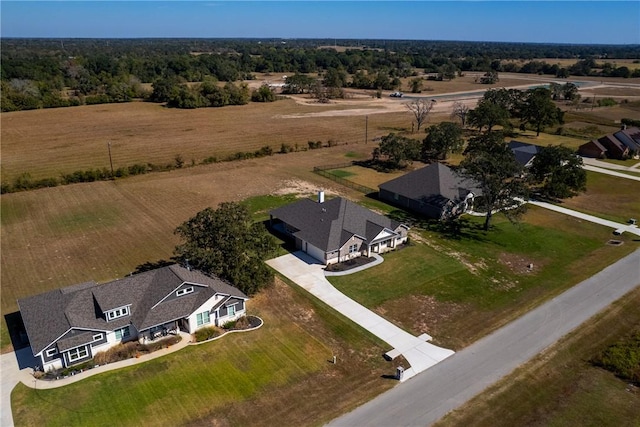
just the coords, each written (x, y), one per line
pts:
(325, 171)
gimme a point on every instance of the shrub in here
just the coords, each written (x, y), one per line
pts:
(114, 354)
(207, 333)
(622, 358)
(160, 344)
(630, 122)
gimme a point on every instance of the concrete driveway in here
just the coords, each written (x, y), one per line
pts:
(309, 274)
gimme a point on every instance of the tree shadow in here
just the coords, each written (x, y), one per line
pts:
(459, 228)
(147, 266)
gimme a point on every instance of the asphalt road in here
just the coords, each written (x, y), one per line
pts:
(427, 397)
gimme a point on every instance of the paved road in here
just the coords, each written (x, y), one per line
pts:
(429, 396)
(309, 274)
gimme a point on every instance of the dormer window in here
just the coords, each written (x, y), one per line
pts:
(184, 291)
(118, 312)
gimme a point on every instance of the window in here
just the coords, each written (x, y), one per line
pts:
(77, 353)
(51, 352)
(97, 337)
(353, 248)
(118, 312)
(231, 310)
(202, 318)
(184, 291)
(122, 333)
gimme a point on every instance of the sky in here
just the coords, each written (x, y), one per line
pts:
(542, 21)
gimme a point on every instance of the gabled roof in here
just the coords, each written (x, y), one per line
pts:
(524, 152)
(595, 143)
(329, 225)
(612, 143)
(50, 315)
(629, 137)
(434, 185)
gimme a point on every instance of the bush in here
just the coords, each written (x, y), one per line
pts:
(622, 358)
(114, 354)
(606, 102)
(630, 122)
(204, 334)
(158, 345)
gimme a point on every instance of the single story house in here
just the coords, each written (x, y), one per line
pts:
(524, 152)
(593, 149)
(70, 325)
(435, 191)
(337, 230)
(615, 148)
(630, 138)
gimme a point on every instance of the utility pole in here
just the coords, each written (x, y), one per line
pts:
(366, 129)
(110, 159)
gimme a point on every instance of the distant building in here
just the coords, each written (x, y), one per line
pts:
(622, 144)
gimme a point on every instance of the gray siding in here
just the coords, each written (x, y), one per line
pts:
(239, 303)
(46, 359)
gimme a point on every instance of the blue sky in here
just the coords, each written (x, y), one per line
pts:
(605, 22)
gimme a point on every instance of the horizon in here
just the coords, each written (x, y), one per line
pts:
(511, 21)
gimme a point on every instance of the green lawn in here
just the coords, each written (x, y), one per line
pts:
(277, 375)
(460, 286)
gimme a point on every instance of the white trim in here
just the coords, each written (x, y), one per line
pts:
(123, 336)
(124, 310)
(184, 291)
(66, 332)
(175, 290)
(201, 315)
(49, 354)
(68, 352)
(99, 336)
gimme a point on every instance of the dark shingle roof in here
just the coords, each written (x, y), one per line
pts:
(50, 315)
(329, 225)
(523, 151)
(629, 137)
(435, 185)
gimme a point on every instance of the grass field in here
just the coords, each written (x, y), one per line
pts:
(278, 375)
(560, 387)
(600, 200)
(461, 287)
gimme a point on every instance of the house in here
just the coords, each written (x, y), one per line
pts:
(615, 148)
(630, 138)
(337, 230)
(70, 325)
(435, 191)
(524, 152)
(593, 149)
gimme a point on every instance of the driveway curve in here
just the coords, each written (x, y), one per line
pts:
(309, 274)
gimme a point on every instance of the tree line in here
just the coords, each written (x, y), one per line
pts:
(47, 73)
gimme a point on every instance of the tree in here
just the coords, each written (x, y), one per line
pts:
(570, 92)
(492, 165)
(539, 110)
(416, 84)
(558, 172)
(488, 114)
(442, 139)
(398, 150)
(489, 78)
(298, 83)
(263, 94)
(227, 243)
(460, 111)
(420, 109)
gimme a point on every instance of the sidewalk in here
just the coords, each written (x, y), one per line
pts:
(618, 227)
(309, 274)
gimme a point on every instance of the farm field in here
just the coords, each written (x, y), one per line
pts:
(560, 386)
(278, 375)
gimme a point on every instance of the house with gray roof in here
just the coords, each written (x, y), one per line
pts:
(524, 152)
(435, 191)
(337, 230)
(70, 325)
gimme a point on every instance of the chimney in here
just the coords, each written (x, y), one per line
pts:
(320, 196)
